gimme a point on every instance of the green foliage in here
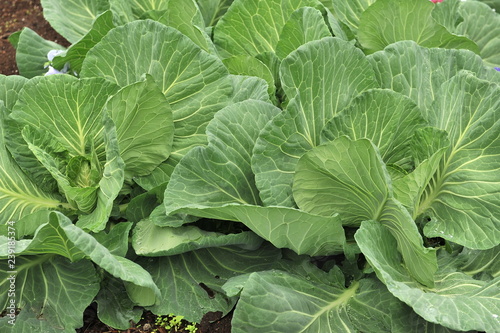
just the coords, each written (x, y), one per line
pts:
(31, 53)
(485, 35)
(317, 166)
(387, 21)
(73, 18)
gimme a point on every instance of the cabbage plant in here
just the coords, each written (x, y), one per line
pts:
(312, 166)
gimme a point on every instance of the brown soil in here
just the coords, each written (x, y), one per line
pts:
(15, 15)
(211, 323)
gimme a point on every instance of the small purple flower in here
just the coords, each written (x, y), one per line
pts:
(497, 68)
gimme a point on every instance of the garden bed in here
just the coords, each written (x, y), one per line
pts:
(248, 165)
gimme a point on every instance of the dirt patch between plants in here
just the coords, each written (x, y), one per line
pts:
(15, 15)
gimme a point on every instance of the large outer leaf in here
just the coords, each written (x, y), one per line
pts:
(388, 119)
(126, 11)
(153, 241)
(19, 196)
(418, 72)
(462, 198)
(494, 4)
(277, 301)
(159, 218)
(31, 53)
(77, 52)
(49, 238)
(389, 21)
(27, 225)
(195, 83)
(73, 18)
(478, 262)
(487, 34)
(325, 183)
(250, 66)
(144, 125)
(320, 81)
(117, 266)
(253, 27)
(117, 239)
(284, 227)
(192, 282)
(141, 206)
(186, 17)
(349, 12)
(51, 292)
(249, 87)
(115, 308)
(221, 173)
(446, 14)
(337, 28)
(212, 10)
(160, 176)
(457, 301)
(10, 86)
(304, 25)
(418, 259)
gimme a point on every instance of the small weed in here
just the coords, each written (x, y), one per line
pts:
(174, 323)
